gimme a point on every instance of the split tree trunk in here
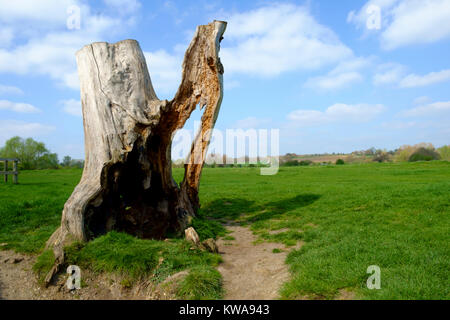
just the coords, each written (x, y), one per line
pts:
(127, 182)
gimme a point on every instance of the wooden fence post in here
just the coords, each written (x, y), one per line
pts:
(16, 173)
(6, 170)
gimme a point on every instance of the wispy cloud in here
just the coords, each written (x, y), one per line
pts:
(397, 75)
(10, 128)
(18, 107)
(72, 107)
(344, 74)
(49, 46)
(413, 80)
(10, 90)
(165, 70)
(279, 38)
(429, 110)
(388, 74)
(407, 22)
(337, 113)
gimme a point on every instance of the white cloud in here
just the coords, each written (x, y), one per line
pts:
(165, 70)
(337, 113)
(413, 80)
(47, 11)
(336, 81)
(10, 90)
(389, 73)
(278, 38)
(360, 17)
(18, 107)
(72, 107)
(396, 74)
(54, 53)
(345, 73)
(408, 22)
(48, 46)
(11, 128)
(352, 64)
(417, 21)
(432, 109)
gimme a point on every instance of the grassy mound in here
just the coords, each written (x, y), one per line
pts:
(137, 259)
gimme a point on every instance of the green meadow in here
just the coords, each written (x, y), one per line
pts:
(348, 217)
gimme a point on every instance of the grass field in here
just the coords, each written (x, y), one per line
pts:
(394, 215)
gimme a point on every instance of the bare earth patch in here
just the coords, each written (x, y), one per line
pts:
(251, 271)
(18, 282)
(345, 294)
(272, 232)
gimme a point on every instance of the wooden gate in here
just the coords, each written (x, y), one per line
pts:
(14, 173)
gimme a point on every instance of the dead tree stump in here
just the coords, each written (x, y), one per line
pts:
(127, 182)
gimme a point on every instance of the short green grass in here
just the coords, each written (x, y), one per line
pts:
(229, 238)
(137, 259)
(394, 215)
(43, 265)
(202, 283)
(31, 210)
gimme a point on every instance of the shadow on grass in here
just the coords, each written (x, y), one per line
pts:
(275, 208)
(233, 209)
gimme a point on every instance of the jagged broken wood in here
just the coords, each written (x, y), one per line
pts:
(127, 182)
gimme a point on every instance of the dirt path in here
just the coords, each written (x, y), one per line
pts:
(17, 280)
(251, 272)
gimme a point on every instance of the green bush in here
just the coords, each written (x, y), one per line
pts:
(305, 162)
(291, 163)
(381, 156)
(423, 154)
(444, 152)
(340, 161)
(32, 154)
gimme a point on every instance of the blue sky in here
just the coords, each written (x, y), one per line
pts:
(313, 69)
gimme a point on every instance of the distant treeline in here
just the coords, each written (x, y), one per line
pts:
(418, 152)
(34, 155)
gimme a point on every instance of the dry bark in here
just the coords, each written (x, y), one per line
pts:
(127, 182)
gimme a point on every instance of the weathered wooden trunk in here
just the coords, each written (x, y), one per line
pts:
(127, 182)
